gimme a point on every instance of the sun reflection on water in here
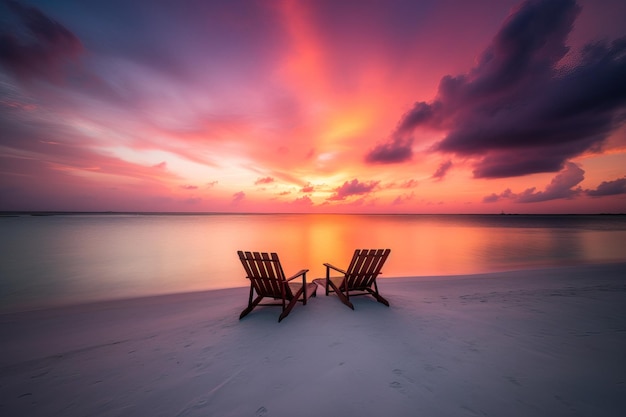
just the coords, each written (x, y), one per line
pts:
(82, 258)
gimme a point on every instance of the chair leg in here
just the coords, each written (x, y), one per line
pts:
(290, 306)
(343, 297)
(306, 297)
(379, 298)
(250, 307)
(376, 295)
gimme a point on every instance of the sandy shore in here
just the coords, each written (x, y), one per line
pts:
(527, 343)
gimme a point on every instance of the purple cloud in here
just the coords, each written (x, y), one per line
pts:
(615, 187)
(398, 149)
(497, 197)
(561, 187)
(517, 111)
(354, 187)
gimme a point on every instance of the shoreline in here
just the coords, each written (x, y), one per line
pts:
(532, 342)
(71, 303)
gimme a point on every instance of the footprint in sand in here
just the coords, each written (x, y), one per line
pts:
(400, 386)
(401, 373)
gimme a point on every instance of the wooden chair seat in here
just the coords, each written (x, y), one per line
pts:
(310, 287)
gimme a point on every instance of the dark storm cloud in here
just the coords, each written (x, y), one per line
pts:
(36, 45)
(521, 110)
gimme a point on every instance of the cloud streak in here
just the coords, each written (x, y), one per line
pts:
(443, 169)
(41, 50)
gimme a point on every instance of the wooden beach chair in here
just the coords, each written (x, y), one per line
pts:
(359, 278)
(268, 280)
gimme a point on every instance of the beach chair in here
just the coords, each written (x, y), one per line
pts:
(359, 278)
(268, 280)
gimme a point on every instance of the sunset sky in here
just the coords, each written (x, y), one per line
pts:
(408, 106)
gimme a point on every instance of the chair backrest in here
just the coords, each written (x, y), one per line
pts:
(266, 274)
(365, 267)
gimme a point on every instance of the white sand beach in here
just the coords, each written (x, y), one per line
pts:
(547, 342)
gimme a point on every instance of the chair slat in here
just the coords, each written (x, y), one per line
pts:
(354, 270)
(258, 273)
(366, 268)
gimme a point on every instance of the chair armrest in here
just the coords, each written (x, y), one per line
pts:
(335, 268)
(296, 275)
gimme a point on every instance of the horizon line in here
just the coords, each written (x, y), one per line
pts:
(5, 213)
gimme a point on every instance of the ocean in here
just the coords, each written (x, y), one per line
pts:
(74, 258)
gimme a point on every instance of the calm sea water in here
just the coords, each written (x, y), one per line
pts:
(77, 258)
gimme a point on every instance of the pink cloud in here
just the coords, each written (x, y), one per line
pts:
(309, 188)
(238, 197)
(265, 180)
(351, 188)
(304, 201)
(403, 199)
(443, 169)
